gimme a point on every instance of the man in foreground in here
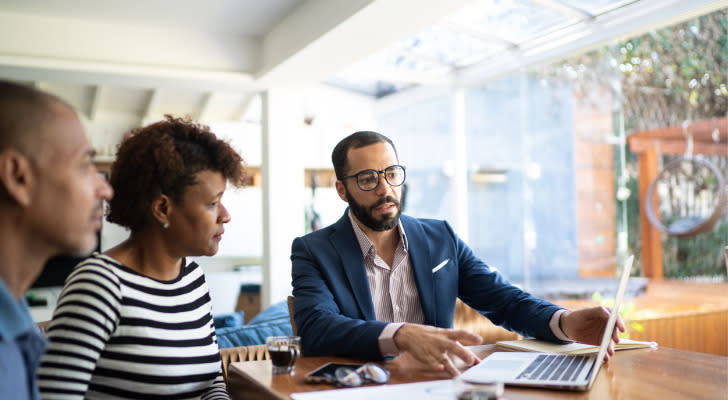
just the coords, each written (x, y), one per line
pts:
(50, 203)
(377, 283)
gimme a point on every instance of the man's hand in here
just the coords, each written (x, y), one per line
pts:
(586, 325)
(434, 347)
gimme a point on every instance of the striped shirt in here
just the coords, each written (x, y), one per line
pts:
(393, 288)
(117, 334)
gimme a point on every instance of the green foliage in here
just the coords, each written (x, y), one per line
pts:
(660, 79)
(633, 228)
(701, 255)
(676, 73)
(625, 312)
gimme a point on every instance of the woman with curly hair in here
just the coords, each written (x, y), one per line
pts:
(135, 322)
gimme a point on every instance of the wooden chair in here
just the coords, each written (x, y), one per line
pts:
(242, 353)
(290, 315)
(43, 327)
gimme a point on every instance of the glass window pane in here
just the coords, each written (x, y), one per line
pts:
(421, 133)
(442, 46)
(596, 7)
(520, 139)
(511, 20)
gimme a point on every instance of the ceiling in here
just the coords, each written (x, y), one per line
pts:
(209, 59)
(245, 18)
(193, 57)
(486, 38)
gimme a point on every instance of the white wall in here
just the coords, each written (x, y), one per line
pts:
(336, 114)
(301, 129)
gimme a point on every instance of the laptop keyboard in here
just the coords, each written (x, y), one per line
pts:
(555, 367)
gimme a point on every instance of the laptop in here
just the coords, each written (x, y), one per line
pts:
(550, 370)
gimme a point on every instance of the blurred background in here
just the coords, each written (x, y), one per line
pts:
(556, 136)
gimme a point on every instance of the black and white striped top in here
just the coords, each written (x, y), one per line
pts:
(117, 334)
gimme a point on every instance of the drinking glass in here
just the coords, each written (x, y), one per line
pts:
(283, 351)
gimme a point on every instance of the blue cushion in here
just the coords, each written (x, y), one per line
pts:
(273, 313)
(272, 321)
(229, 320)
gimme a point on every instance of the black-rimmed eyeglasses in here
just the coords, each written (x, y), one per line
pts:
(369, 178)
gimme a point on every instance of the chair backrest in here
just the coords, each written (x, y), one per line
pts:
(43, 327)
(242, 353)
(290, 314)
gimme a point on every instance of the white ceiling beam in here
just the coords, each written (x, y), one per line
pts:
(40, 85)
(395, 75)
(89, 51)
(564, 8)
(205, 108)
(152, 100)
(121, 75)
(310, 21)
(62, 38)
(499, 41)
(245, 106)
(93, 104)
(321, 38)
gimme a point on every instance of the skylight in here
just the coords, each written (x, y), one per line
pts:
(481, 30)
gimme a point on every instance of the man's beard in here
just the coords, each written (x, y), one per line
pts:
(364, 214)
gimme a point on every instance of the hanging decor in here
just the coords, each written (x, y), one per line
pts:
(691, 194)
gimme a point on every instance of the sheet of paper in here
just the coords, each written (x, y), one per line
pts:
(430, 390)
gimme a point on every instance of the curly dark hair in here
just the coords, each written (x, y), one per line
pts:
(163, 158)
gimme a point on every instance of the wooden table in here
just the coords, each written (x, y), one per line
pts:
(631, 374)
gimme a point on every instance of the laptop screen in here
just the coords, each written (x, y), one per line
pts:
(612, 322)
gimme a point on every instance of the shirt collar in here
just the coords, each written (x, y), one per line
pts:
(366, 245)
(16, 315)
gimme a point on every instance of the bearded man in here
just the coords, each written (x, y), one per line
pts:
(378, 283)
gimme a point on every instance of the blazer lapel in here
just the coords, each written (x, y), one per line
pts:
(344, 241)
(419, 254)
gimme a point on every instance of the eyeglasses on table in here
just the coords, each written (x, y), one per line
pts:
(369, 372)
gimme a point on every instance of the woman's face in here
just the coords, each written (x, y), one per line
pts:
(196, 224)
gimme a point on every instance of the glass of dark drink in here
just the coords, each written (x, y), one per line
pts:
(283, 351)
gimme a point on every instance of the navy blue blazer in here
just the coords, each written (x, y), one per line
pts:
(334, 312)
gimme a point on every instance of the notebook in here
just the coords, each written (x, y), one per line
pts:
(550, 370)
(543, 346)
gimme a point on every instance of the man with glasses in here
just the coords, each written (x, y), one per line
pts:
(377, 283)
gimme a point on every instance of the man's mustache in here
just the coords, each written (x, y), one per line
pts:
(387, 199)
